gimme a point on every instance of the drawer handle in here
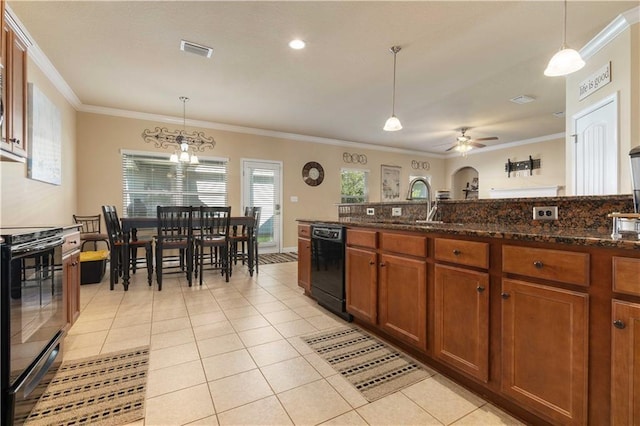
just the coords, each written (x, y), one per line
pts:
(480, 289)
(382, 264)
(505, 296)
(619, 324)
(371, 262)
(456, 252)
(14, 140)
(538, 264)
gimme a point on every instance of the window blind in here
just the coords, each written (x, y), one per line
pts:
(150, 180)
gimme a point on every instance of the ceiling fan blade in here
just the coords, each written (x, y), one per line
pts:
(476, 145)
(453, 147)
(491, 138)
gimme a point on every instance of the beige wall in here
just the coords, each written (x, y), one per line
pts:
(490, 166)
(624, 54)
(100, 138)
(29, 202)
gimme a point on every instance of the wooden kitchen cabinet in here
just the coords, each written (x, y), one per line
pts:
(71, 268)
(71, 274)
(362, 288)
(545, 350)
(14, 82)
(304, 257)
(626, 275)
(625, 363)
(402, 308)
(461, 319)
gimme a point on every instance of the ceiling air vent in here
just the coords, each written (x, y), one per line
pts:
(196, 49)
(559, 114)
(522, 99)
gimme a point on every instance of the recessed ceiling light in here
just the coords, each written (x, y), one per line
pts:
(522, 99)
(195, 48)
(297, 44)
(559, 114)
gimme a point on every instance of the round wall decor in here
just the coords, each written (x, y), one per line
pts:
(312, 173)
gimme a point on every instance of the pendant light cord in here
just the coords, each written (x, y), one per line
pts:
(564, 27)
(393, 96)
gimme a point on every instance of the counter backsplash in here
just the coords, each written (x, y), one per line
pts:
(585, 212)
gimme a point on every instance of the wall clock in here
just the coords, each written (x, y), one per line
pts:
(312, 173)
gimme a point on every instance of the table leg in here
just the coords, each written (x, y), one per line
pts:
(250, 251)
(125, 260)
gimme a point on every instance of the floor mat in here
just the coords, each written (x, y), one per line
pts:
(373, 367)
(268, 258)
(102, 390)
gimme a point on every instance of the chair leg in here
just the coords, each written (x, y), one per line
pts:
(149, 252)
(201, 261)
(159, 266)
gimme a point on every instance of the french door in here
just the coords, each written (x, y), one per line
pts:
(261, 187)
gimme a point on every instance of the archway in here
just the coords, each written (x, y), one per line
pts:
(464, 184)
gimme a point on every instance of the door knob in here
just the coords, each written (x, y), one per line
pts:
(538, 264)
(505, 296)
(456, 252)
(480, 289)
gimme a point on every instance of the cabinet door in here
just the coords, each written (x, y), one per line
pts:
(403, 298)
(362, 284)
(625, 364)
(18, 95)
(71, 267)
(544, 350)
(461, 311)
(304, 264)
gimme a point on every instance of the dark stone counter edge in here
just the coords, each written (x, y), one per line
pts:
(583, 237)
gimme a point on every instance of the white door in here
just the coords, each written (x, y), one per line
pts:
(596, 149)
(261, 184)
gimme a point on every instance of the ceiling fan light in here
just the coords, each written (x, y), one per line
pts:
(194, 159)
(392, 124)
(174, 158)
(564, 62)
(184, 157)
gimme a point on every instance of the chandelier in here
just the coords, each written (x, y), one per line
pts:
(186, 144)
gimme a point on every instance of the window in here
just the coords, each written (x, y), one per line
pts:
(354, 185)
(150, 180)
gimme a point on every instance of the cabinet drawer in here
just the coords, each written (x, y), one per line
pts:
(626, 275)
(406, 244)
(358, 237)
(470, 253)
(304, 231)
(71, 242)
(563, 266)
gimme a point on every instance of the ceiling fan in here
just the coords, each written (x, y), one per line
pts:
(464, 143)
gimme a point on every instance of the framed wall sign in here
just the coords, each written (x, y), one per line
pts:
(389, 183)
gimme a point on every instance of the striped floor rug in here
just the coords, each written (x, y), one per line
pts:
(268, 258)
(104, 390)
(374, 368)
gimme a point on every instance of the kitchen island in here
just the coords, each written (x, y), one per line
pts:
(539, 320)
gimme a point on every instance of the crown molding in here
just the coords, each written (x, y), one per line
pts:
(610, 32)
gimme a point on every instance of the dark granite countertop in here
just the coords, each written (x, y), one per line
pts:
(557, 235)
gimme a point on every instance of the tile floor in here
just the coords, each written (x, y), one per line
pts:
(230, 354)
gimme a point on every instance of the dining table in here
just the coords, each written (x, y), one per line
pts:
(131, 225)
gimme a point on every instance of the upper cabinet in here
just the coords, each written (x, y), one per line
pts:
(14, 94)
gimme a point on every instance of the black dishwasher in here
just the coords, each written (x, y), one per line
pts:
(327, 268)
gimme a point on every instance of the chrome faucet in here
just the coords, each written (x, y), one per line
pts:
(433, 211)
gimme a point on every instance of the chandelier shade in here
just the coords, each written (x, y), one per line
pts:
(393, 123)
(567, 60)
(185, 144)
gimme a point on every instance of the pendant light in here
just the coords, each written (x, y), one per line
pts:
(566, 60)
(393, 123)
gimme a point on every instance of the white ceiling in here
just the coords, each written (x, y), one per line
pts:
(461, 62)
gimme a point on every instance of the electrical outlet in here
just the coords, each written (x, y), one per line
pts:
(370, 211)
(396, 211)
(545, 213)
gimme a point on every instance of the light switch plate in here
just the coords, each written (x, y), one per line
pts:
(396, 211)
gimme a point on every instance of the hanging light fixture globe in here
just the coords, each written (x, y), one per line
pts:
(567, 60)
(393, 123)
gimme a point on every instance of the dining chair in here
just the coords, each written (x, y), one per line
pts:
(240, 241)
(175, 232)
(212, 233)
(90, 230)
(114, 232)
